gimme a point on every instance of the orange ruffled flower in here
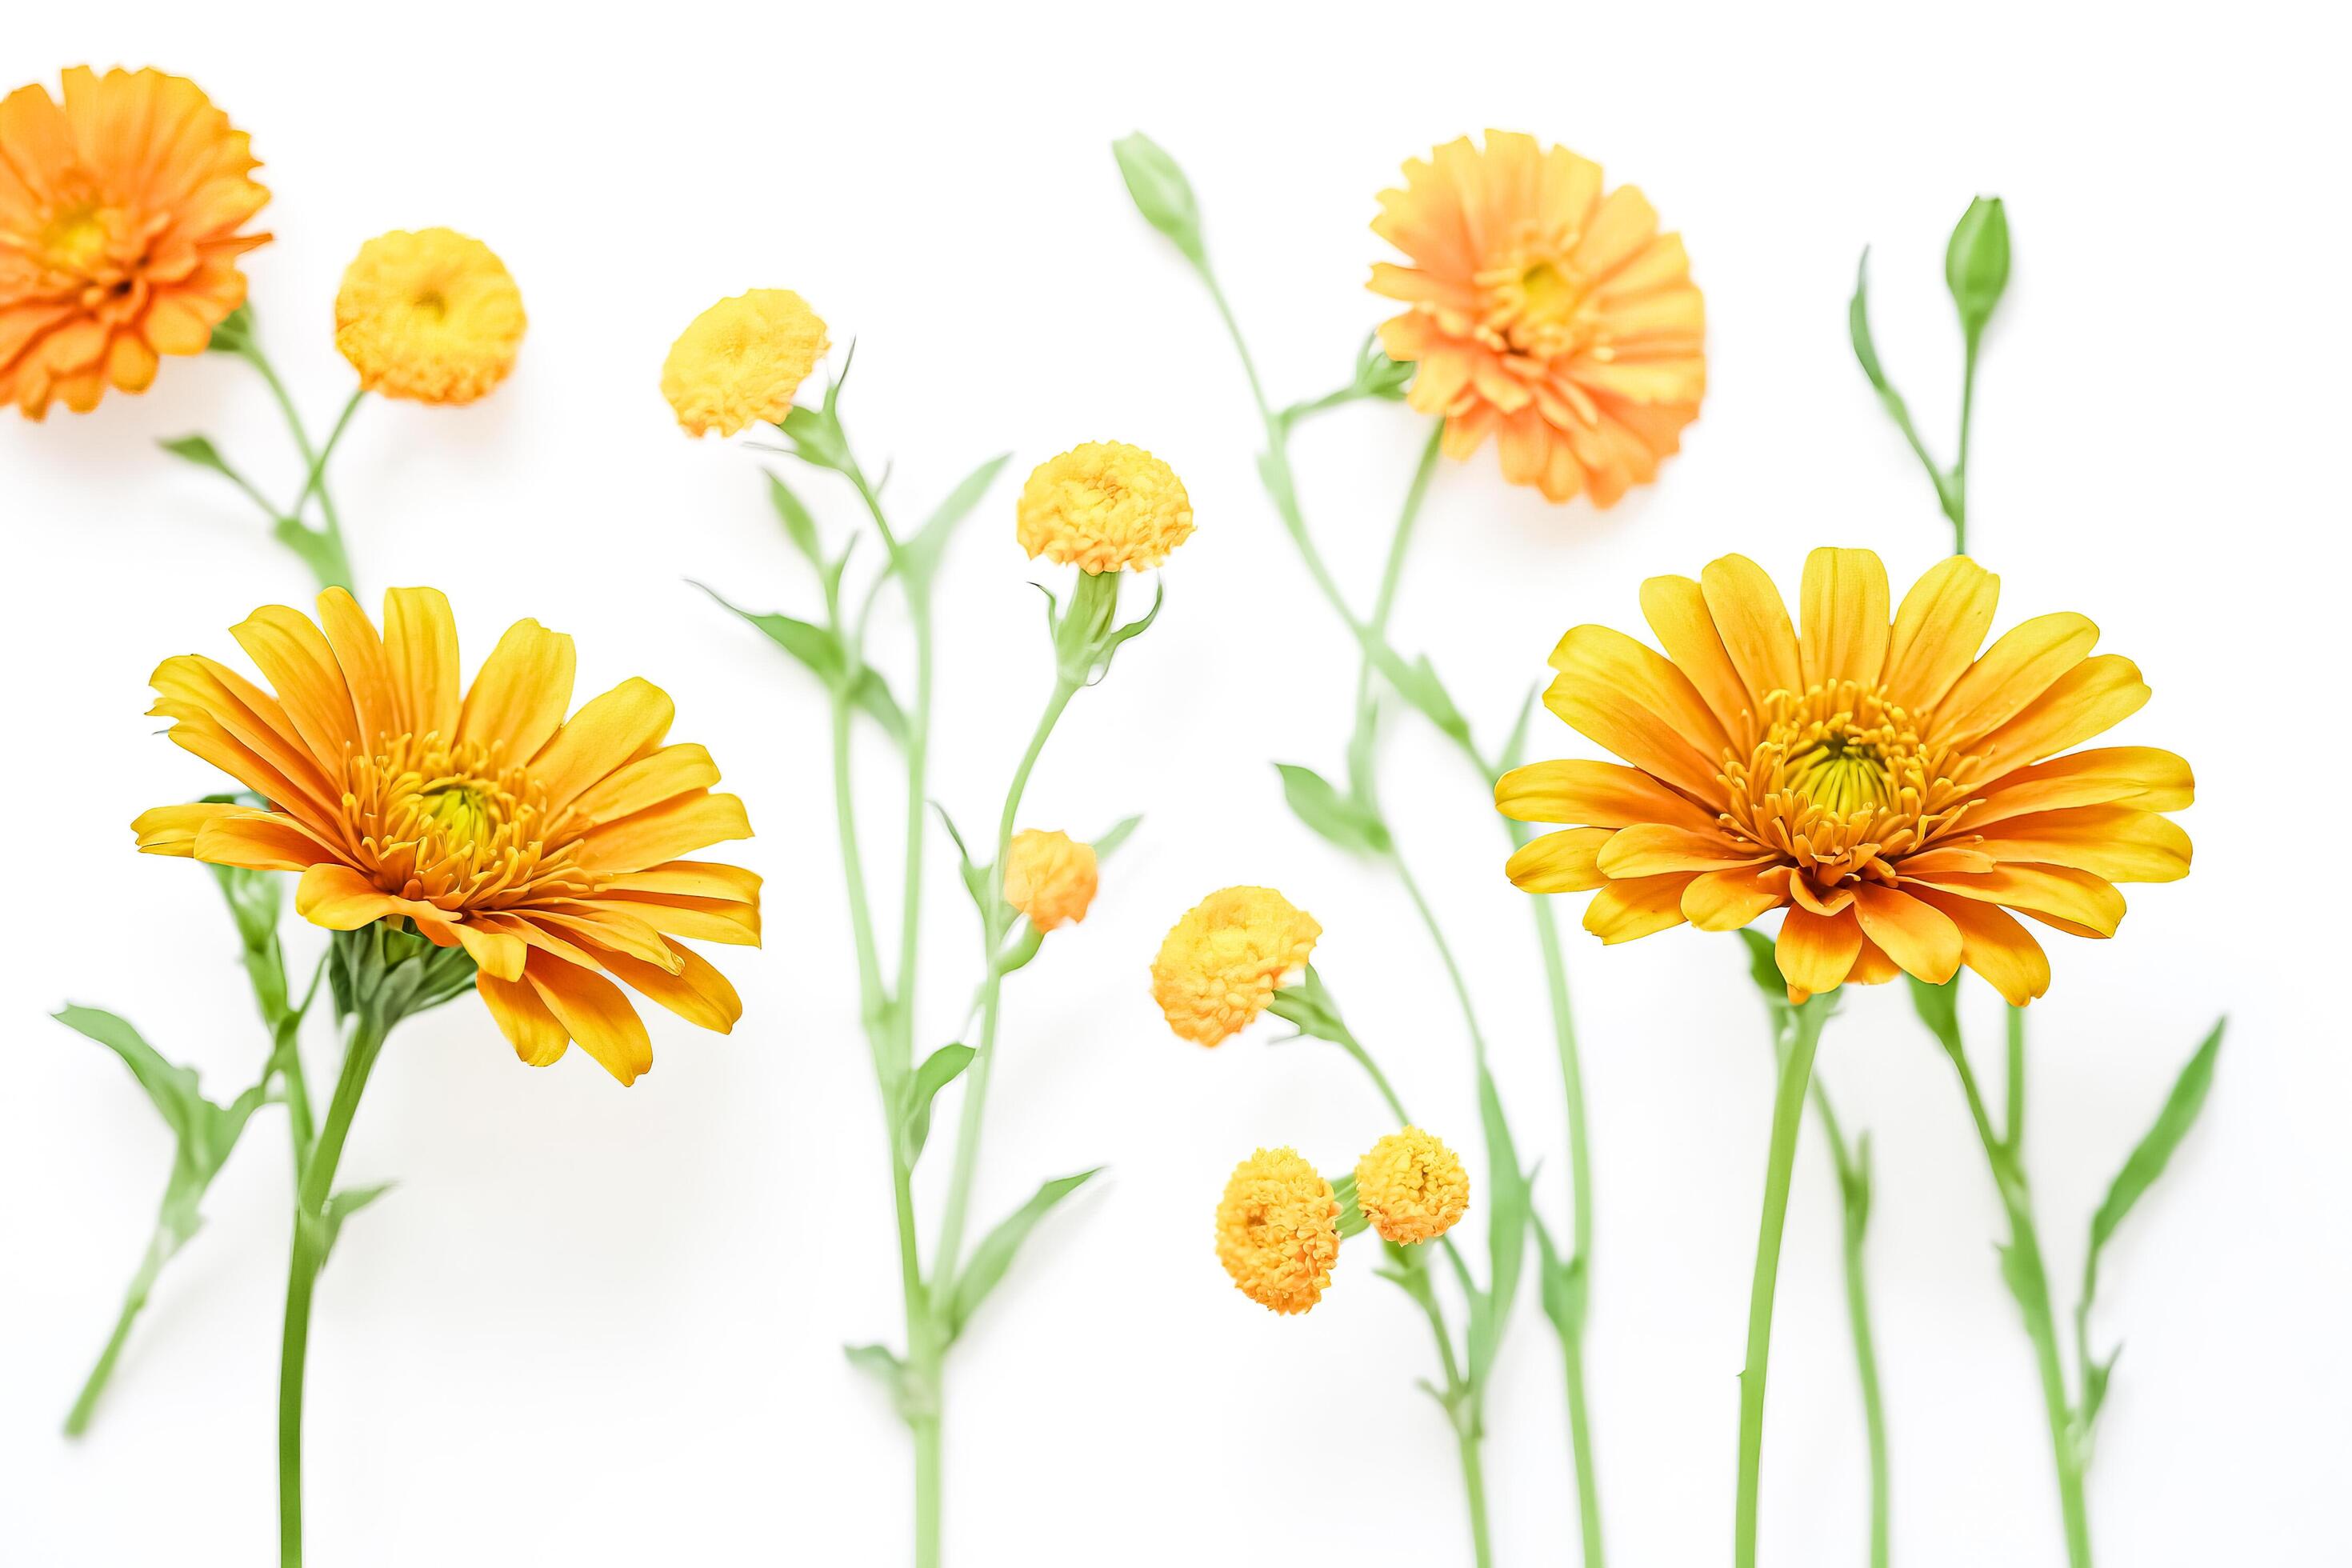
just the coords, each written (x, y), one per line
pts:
(1553, 316)
(1898, 793)
(118, 215)
(549, 848)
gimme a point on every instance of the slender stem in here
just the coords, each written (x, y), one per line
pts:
(1444, 954)
(1788, 1118)
(1393, 573)
(160, 1248)
(1856, 1211)
(310, 1238)
(1955, 496)
(2012, 1129)
(918, 746)
(322, 550)
(1473, 1484)
(929, 1469)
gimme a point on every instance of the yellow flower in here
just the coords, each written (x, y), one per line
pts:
(432, 315)
(1898, 792)
(1104, 506)
(740, 362)
(1050, 877)
(118, 219)
(547, 848)
(1411, 1187)
(1278, 1230)
(1223, 962)
(1544, 311)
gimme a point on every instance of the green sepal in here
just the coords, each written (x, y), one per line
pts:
(234, 332)
(938, 1070)
(1764, 969)
(1939, 1008)
(1308, 1006)
(1378, 376)
(1161, 192)
(1352, 1222)
(1345, 820)
(989, 1260)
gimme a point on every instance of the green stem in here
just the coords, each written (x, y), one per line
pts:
(310, 1240)
(322, 549)
(1788, 1117)
(1852, 1186)
(160, 1248)
(1473, 1484)
(2029, 1282)
(993, 929)
(928, 1471)
(1956, 495)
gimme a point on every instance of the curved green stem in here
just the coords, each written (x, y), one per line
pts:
(160, 1248)
(1788, 1117)
(1854, 1186)
(322, 549)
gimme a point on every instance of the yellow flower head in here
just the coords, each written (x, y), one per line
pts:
(1898, 792)
(118, 218)
(432, 315)
(1544, 311)
(1050, 877)
(1223, 962)
(1104, 506)
(740, 362)
(1411, 1187)
(548, 847)
(1278, 1230)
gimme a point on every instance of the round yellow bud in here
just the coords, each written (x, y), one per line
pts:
(1050, 877)
(433, 316)
(1223, 962)
(1278, 1230)
(1104, 507)
(740, 362)
(1411, 1187)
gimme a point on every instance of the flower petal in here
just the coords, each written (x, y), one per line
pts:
(609, 732)
(1629, 698)
(697, 993)
(1676, 609)
(647, 782)
(1938, 629)
(1624, 911)
(1732, 898)
(537, 1034)
(2015, 670)
(260, 841)
(1845, 599)
(594, 1012)
(172, 829)
(293, 656)
(2072, 901)
(1753, 622)
(1561, 862)
(420, 642)
(2089, 699)
(1817, 951)
(367, 672)
(521, 693)
(2143, 777)
(1652, 849)
(2119, 843)
(675, 827)
(1996, 946)
(1601, 794)
(1915, 934)
(335, 895)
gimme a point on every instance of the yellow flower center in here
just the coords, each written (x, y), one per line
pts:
(432, 303)
(1535, 305)
(1842, 780)
(458, 827)
(77, 239)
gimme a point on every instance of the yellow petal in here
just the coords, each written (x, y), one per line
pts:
(494, 953)
(1562, 862)
(519, 695)
(1624, 911)
(1753, 622)
(594, 1012)
(608, 732)
(1941, 624)
(1817, 951)
(671, 772)
(2118, 843)
(1676, 609)
(1654, 849)
(367, 672)
(2143, 777)
(293, 656)
(1993, 944)
(1845, 599)
(1629, 698)
(673, 828)
(2015, 670)
(697, 993)
(172, 829)
(2088, 699)
(538, 1037)
(260, 841)
(1732, 898)
(1913, 933)
(1599, 794)
(420, 642)
(2072, 901)
(339, 899)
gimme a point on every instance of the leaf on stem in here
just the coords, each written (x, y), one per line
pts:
(200, 450)
(800, 527)
(920, 555)
(813, 646)
(1118, 835)
(995, 1255)
(2153, 1151)
(1342, 819)
(341, 1206)
(938, 1070)
(1507, 1213)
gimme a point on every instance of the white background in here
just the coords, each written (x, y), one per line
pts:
(598, 1326)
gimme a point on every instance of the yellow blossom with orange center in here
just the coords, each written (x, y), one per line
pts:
(740, 362)
(1222, 963)
(552, 849)
(120, 213)
(1545, 311)
(1050, 877)
(1411, 1187)
(1896, 792)
(1104, 506)
(432, 315)
(1278, 1230)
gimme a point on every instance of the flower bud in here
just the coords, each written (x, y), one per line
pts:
(1162, 194)
(1975, 264)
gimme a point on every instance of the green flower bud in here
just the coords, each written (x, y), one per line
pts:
(1162, 194)
(1976, 264)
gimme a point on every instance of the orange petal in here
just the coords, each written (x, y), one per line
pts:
(1623, 910)
(260, 841)
(1843, 600)
(1872, 966)
(1994, 945)
(697, 993)
(2143, 777)
(172, 829)
(671, 772)
(521, 693)
(1913, 934)
(1941, 624)
(1676, 609)
(2119, 843)
(420, 642)
(1601, 794)
(727, 921)
(293, 656)
(692, 878)
(537, 1034)
(1629, 698)
(497, 953)
(1817, 951)
(594, 1012)
(2072, 901)
(339, 899)
(2015, 670)
(1729, 899)
(1562, 862)
(1654, 849)
(675, 827)
(1753, 622)
(367, 672)
(608, 732)
(2089, 699)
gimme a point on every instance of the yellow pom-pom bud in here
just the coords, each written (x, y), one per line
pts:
(1050, 877)
(1278, 1230)
(1105, 507)
(432, 315)
(740, 362)
(1411, 1187)
(1223, 962)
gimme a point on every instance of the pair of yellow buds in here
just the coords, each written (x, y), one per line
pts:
(1279, 1222)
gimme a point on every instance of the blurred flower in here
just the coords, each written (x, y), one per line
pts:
(432, 315)
(1050, 877)
(1278, 1230)
(1543, 311)
(740, 362)
(1411, 1187)
(547, 848)
(118, 219)
(1104, 506)
(1898, 792)
(1223, 962)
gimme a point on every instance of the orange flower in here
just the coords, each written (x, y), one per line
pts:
(547, 847)
(1898, 793)
(1554, 315)
(118, 215)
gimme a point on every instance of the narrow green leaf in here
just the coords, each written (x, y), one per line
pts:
(199, 450)
(1344, 821)
(872, 694)
(1564, 1282)
(347, 1202)
(813, 644)
(1857, 321)
(1418, 684)
(1017, 953)
(994, 1255)
(1118, 835)
(2153, 1151)
(800, 527)
(171, 1088)
(924, 551)
(938, 1070)
(1507, 1212)
(886, 1370)
(1161, 192)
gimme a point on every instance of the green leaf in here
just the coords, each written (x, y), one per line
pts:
(199, 450)
(1119, 831)
(1515, 747)
(341, 1206)
(1018, 952)
(2155, 1151)
(1976, 262)
(1342, 819)
(920, 555)
(1857, 323)
(877, 1362)
(977, 881)
(800, 527)
(1162, 194)
(1939, 1008)
(1418, 684)
(171, 1088)
(2096, 1376)
(938, 1070)
(872, 695)
(1507, 1213)
(1564, 1282)
(813, 644)
(994, 1255)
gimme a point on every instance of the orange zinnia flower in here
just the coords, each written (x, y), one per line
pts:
(1898, 793)
(1544, 311)
(547, 847)
(118, 215)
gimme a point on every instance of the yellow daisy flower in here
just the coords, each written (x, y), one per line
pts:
(1104, 506)
(432, 315)
(1411, 1187)
(1050, 877)
(740, 362)
(548, 847)
(1896, 792)
(1278, 1230)
(1223, 962)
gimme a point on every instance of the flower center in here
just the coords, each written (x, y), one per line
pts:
(1841, 780)
(458, 827)
(1535, 305)
(77, 239)
(432, 304)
